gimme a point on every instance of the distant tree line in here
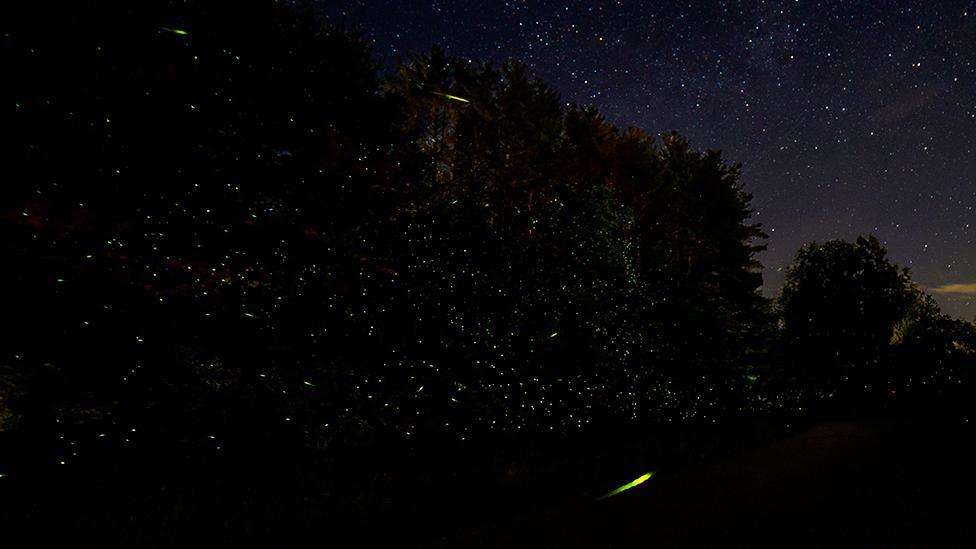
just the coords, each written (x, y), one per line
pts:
(225, 228)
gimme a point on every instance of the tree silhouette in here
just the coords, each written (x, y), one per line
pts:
(839, 305)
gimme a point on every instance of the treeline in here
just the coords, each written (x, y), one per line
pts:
(225, 228)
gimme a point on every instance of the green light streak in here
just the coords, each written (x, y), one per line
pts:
(309, 383)
(180, 32)
(454, 97)
(552, 335)
(636, 482)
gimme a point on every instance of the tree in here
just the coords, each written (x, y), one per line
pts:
(932, 357)
(695, 247)
(840, 303)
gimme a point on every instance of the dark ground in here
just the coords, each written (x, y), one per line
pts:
(865, 483)
(842, 483)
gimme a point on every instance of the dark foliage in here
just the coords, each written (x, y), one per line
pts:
(246, 234)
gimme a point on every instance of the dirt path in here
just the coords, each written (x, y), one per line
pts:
(836, 484)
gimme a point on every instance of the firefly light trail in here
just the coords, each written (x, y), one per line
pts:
(180, 32)
(454, 97)
(636, 482)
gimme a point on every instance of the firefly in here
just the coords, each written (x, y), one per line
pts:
(180, 32)
(636, 482)
(454, 97)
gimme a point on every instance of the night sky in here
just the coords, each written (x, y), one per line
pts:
(849, 117)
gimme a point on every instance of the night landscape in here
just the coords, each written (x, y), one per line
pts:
(479, 273)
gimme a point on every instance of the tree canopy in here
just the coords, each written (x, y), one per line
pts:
(855, 327)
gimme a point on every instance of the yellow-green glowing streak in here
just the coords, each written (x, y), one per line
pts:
(454, 97)
(636, 482)
(180, 32)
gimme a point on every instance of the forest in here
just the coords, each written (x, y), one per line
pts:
(237, 247)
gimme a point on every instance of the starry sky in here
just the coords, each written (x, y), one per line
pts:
(849, 118)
